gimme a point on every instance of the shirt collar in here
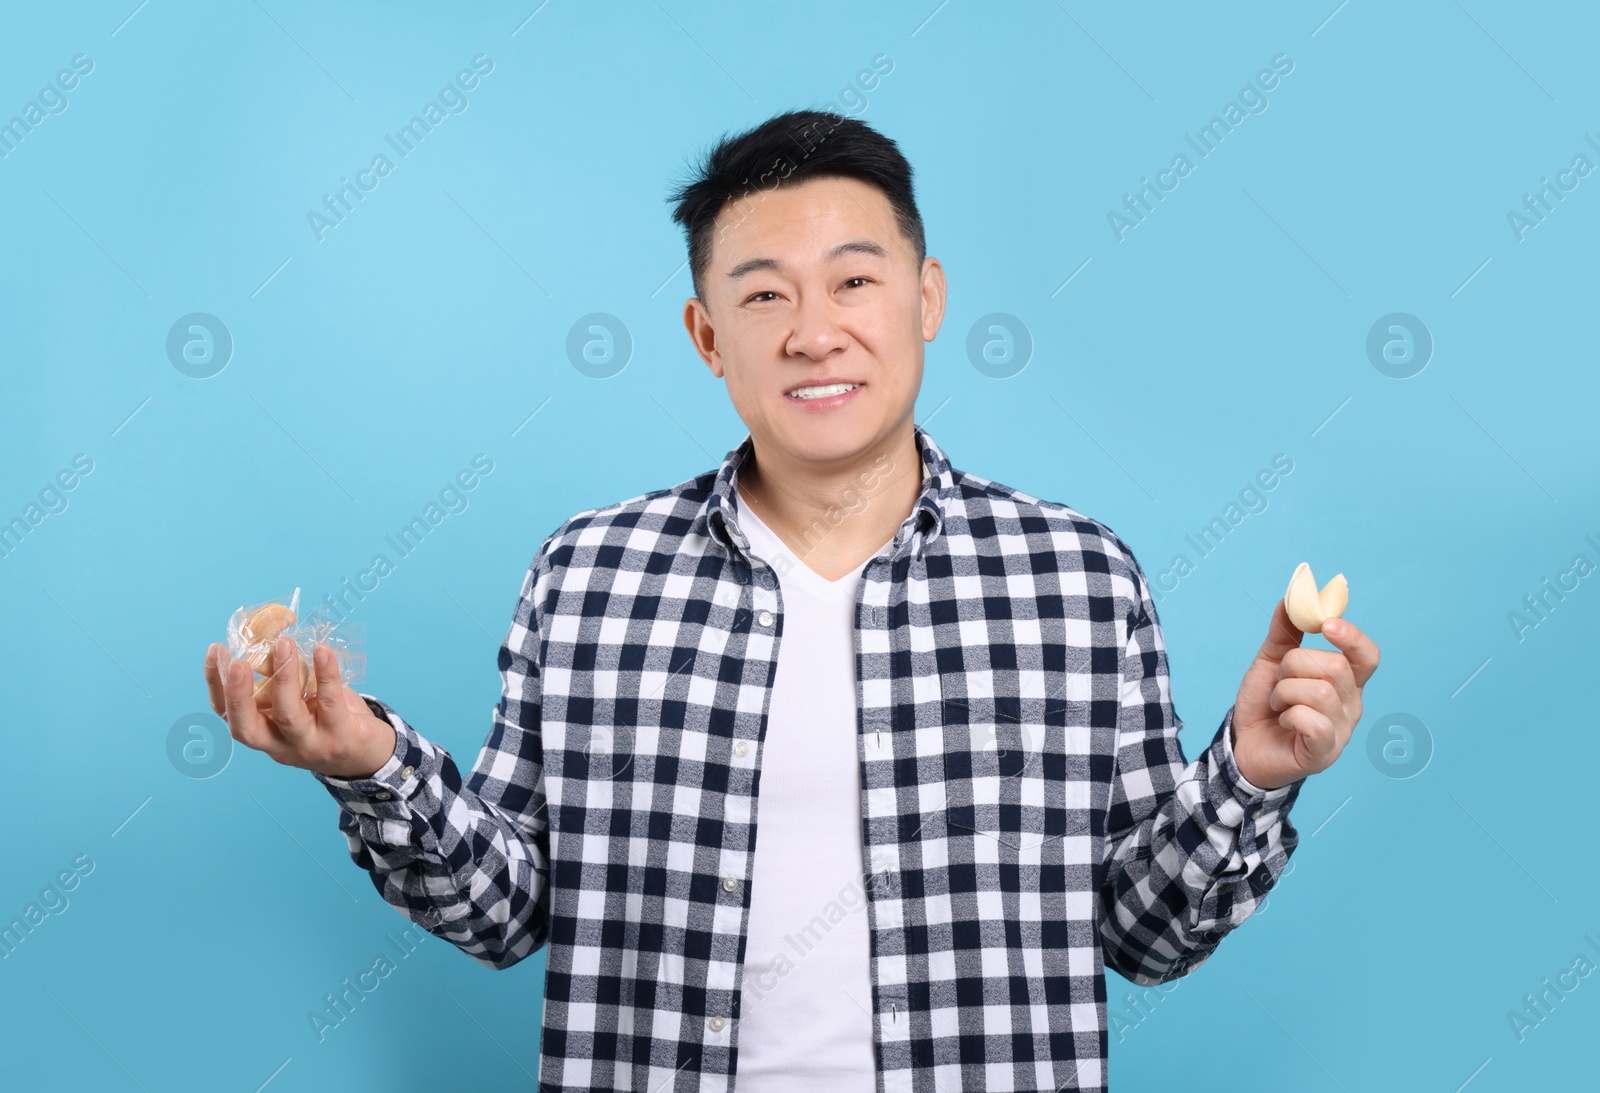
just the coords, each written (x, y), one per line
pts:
(924, 523)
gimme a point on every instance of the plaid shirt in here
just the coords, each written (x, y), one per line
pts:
(1027, 814)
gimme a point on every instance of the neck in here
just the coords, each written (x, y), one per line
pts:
(835, 515)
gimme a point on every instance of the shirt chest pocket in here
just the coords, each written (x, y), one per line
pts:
(1013, 775)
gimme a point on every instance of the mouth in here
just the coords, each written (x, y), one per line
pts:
(822, 392)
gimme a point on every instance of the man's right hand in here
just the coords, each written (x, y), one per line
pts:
(337, 735)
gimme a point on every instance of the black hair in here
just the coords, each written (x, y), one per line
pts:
(786, 149)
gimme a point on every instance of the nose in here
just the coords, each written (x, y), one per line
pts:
(817, 333)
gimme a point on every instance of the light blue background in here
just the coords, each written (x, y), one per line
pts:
(1230, 326)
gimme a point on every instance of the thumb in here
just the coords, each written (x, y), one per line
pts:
(1282, 635)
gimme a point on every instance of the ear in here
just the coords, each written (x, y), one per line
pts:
(934, 293)
(697, 321)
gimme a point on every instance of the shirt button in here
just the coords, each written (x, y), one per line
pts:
(382, 795)
(717, 1024)
(741, 749)
(730, 884)
(765, 618)
(407, 772)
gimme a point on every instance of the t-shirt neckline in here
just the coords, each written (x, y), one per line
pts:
(816, 580)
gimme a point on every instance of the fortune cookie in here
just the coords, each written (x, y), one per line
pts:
(1309, 609)
(261, 630)
(308, 682)
(266, 623)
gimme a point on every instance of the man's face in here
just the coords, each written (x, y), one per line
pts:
(808, 285)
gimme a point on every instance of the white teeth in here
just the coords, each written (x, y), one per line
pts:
(823, 392)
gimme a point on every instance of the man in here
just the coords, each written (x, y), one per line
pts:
(835, 767)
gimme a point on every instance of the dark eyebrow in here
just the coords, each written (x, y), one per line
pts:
(853, 246)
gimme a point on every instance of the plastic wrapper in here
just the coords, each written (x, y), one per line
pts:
(253, 630)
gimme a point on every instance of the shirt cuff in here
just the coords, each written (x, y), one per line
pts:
(1246, 791)
(391, 806)
(1254, 828)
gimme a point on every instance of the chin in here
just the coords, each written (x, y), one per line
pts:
(827, 440)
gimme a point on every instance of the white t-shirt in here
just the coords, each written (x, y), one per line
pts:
(806, 1004)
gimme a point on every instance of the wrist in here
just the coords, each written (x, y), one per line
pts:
(383, 736)
(1253, 781)
(377, 741)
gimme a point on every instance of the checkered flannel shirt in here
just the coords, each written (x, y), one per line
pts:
(1027, 814)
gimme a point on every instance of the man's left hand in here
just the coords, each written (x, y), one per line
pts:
(1298, 707)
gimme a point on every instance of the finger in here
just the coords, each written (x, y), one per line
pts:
(1360, 650)
(330, 700)
(245, 722)
(219, 700)
(1314, 729)
(1328, 664)
(289, 713)
(1282, 636)
(1319, 694)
